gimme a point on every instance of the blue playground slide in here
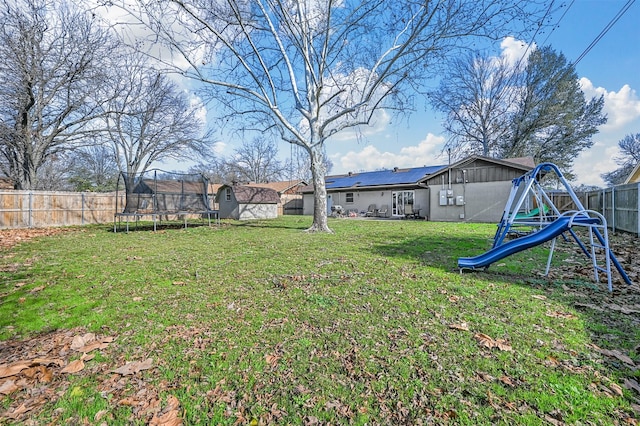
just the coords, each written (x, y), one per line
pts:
(554, 229)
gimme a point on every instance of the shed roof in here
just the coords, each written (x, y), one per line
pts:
(279, 187)
(252, 194)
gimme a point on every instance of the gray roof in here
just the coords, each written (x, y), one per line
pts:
(253, 195)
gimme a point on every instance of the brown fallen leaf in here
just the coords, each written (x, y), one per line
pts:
(15, 414)
(80, 341)
(92, 347)
(272, 360)
(13, 369)
(73, 366)
(507, 381)
(615, 388)
(463, 326)
(615, 354)
(632, 384)
(8, 387)
(134, 367)
(489, 342)
(170, 416)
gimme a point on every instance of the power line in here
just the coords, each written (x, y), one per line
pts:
(558, 23)
(605, 30)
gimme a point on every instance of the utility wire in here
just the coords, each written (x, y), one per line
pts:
(557, 25)
(605, 30)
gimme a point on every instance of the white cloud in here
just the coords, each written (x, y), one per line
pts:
(370, 158)
(515, 51)
(594, 162)
(378, 124)
(621, 107)
(219, 147)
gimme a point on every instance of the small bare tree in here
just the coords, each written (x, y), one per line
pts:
(312, 68)
(628, 159)
(53, 62)
(151, 120)
(256, 161)
(476, 97)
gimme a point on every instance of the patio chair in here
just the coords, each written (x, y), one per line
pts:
(408, 211)
(382, 211)
(416, 211)
(371, 210)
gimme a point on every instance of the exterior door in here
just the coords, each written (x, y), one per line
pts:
(399, 200)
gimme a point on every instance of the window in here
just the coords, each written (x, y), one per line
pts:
(227, 194)
(349, 197)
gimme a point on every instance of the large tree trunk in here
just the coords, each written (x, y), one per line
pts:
(319, 192)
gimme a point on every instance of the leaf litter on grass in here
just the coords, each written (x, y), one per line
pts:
(40, 370)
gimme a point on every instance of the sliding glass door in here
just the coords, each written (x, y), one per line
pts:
(400, 200)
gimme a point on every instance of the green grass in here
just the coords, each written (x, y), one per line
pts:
(262, 322)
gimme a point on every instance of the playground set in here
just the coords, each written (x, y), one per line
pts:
(531, 216)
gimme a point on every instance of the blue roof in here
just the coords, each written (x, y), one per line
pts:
(381, 177)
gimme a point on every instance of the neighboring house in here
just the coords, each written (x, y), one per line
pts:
(6, 183)
(245, 202)
(288, 191)
(634, 176)
(474, 189)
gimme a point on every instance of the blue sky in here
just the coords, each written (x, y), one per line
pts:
(611, 68)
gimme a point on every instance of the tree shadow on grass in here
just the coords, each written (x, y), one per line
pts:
(267, 223)
(611, 319)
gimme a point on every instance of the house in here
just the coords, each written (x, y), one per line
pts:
(6, 183)
(473, 189)
(246, 202)
(288, 191)
(634, 176)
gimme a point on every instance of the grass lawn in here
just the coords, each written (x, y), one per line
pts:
(261, 323)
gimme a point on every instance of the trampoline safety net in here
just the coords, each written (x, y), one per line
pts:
(156, 192)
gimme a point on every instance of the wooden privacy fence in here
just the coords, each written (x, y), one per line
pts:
(39, 209)
(35, 209)
(619, 205)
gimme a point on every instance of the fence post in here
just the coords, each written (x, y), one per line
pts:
(613, 209)
(30, 209)
(82, 208)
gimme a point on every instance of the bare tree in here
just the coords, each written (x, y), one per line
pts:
(256, 161)
(52, 66)
(476, 96)
(627, 160)
(312, 68)
(94, 169)
(152, 120)
(298, 165)
(502, 110)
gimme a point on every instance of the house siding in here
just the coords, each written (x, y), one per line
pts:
(481, 202)
(257, 211)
